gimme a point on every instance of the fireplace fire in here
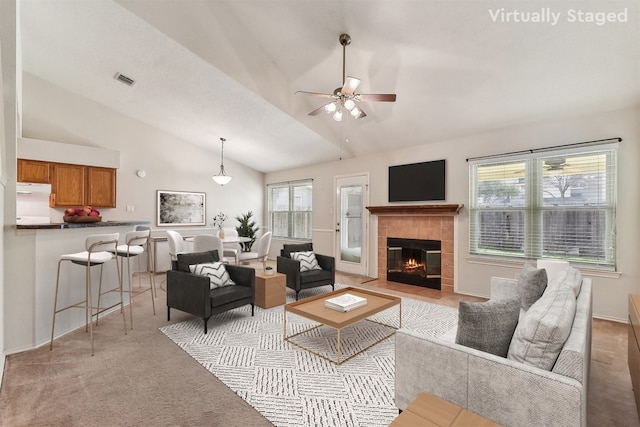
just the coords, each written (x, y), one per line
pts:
(414, 262)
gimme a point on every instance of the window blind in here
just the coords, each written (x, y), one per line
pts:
(290, 209)
(552, 204)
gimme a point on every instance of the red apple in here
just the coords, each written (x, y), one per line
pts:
(70, 212)
(87, 209)
(94, 213)
(78, 210)
(83, 213)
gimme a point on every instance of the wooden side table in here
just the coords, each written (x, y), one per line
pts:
(429, 410)
(270, 289)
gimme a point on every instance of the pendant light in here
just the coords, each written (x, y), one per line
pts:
(221, 178)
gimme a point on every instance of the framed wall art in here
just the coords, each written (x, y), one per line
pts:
(181, 208)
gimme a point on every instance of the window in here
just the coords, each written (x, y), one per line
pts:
(549, 204)
(290, 207)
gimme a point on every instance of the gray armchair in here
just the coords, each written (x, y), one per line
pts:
(192, 294)
(298, 280)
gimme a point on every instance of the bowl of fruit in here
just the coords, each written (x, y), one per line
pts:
(85, 214)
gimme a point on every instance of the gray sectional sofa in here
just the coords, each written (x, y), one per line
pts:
(505, 390)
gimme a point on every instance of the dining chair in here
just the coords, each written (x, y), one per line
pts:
(209, 242)
(264, 243)
(176, 244)
(232, 248)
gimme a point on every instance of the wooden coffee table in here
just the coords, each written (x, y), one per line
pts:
(313, 309)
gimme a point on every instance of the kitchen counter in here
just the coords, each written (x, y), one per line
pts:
(31, 268)
(63, 225)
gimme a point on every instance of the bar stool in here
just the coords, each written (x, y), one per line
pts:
(150, 255)
(136, 241)
(99, 249)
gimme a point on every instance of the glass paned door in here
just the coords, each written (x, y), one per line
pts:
(351, 224)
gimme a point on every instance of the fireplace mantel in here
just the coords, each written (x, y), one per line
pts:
(440, 210)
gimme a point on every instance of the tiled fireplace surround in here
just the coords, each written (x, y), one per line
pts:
(432, 222)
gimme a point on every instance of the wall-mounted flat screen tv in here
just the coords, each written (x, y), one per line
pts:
(417, 182)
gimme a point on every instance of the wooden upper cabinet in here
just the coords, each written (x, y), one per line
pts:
(101, 187)
(68, 185)
(34, 171)
(72, 185)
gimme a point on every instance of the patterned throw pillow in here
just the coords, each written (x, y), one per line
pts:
(307, 261)
(215, 271)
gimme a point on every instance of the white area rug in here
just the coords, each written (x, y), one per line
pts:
(292, 387)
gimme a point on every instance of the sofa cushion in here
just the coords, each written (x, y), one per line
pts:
(542, 332)
(532, 282)
(315, 276)
(488, 326)
(298, 247)
(215, 271)
(307, 260)
(570, 278)
(191, 258)
(229, 294)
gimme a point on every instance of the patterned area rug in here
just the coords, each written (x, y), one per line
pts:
(292, 387)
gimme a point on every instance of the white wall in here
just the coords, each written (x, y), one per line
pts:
(610, 291)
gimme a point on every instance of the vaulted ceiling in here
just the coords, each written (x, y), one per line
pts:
(206, 69)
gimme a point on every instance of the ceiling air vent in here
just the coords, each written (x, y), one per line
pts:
(124, 79)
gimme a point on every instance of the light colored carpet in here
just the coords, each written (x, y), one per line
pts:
(292, 387)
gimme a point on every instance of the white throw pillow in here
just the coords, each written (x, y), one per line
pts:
(215, 271)
(307, 260)
(542, 332)
(570, 278)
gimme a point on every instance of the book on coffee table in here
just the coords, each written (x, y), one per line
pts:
(345, 302)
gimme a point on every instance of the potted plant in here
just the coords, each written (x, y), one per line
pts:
(247, 228)
(268, 270)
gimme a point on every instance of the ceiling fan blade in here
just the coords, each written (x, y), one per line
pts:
(317, 111)
(379, 97)
(350, 85)
(321, 95)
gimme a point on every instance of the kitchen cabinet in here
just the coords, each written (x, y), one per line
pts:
(34, 171)
(68, 185)
(72, 184)
(78, 185)
(101, 187)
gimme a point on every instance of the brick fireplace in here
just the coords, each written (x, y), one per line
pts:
(431, 222)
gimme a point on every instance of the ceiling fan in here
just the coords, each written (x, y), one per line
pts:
(555, 164)
(345, 96)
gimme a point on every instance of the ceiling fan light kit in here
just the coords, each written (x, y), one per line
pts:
(221, 178)
(345, 96)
